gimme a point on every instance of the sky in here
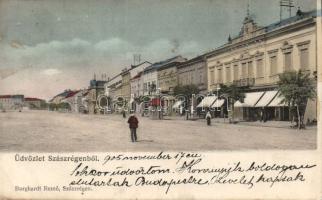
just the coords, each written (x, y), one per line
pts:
(48, 46)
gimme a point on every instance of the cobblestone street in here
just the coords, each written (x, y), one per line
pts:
(56, 132)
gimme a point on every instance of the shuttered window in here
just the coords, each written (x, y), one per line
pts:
(288, 61)
(260, 68)
(304, 59)
(273, 63)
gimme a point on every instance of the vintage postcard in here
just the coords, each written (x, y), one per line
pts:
(159, 99)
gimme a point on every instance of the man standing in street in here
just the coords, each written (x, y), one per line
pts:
(208, 118)
(133, 124)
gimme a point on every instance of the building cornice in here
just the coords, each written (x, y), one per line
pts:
(262, 37)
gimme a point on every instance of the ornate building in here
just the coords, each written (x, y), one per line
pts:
(258, 55)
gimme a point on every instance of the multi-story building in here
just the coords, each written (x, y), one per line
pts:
(150, 75)
(167, 77)
(194, 72)
(11, 102)
(137, 85)
(34, 103)
(258, 55)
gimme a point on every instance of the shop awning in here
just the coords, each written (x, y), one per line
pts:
(218, 103)
(207, 101)
(266, 99)
(177, 104)
(277, 102)
(250, 99)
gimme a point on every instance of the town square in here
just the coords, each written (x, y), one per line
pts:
(43, 131)
(241, 80)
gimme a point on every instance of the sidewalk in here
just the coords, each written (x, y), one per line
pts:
(273, 124)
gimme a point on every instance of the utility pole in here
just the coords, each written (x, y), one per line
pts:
(136, 59)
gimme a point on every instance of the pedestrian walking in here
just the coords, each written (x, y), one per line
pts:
(208, 118)
(123, 113)
(133, 124)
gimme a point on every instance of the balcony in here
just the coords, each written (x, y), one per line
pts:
(245, 82)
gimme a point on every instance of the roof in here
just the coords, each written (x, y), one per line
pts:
(270, 28)
(157, 65)
(169, 65)
(5, 96)
(72, 93)
(137, 76)
(290, 20)
(199, 58)
(63, 94)
(33, 99)
(11, 96)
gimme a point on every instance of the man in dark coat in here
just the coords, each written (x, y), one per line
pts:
(133, 124)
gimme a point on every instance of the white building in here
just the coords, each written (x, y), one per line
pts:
(11, 102)
(257, 56)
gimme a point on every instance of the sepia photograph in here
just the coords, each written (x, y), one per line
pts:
(160, 99)
(158, 75)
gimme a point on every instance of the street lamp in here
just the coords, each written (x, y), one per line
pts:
(159, 101)
(218, 88)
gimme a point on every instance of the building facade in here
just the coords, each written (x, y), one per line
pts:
(167, 77)
(137, 85)
(11, 102)
(95, 89)
(194, 72)
(258, 55)
(34, 103)
(150, 75)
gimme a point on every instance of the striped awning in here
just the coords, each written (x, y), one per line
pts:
(207, 102)
(266, 99)
(177, 104)
(218, 103)
(277, 101)
(250, 99)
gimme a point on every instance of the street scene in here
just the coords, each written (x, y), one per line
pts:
(46, 131)
(103, 77)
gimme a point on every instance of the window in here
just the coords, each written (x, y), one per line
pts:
(288, 61)
(228, 74)
(212, 81)
(219, 75)
(273, 63)
(259, 68)
(304, 58)
(200, 77)
(236, 72)
(244, 70)
(250, 70)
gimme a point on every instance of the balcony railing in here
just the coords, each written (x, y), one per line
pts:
(245, 82)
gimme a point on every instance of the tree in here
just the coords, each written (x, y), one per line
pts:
(233, 93)
(53, 106)
(186, 90)
(297, 88)
(64, 106)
